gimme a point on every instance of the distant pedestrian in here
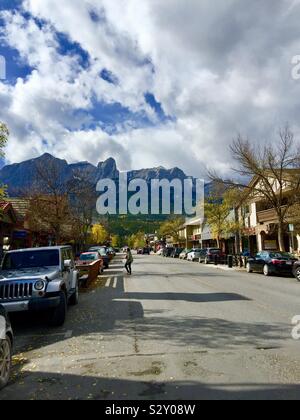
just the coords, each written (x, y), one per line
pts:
(129, 261)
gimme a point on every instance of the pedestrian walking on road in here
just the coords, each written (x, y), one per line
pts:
(129, 261)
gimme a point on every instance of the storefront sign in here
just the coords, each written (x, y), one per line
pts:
(270, 245)
(20, 234)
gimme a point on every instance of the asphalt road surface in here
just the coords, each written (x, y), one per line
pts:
(174, 330)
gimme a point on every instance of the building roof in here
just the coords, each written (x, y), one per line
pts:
(8, 210)
(20, 207)
(287, 174)
(4, 206)
(193, 221)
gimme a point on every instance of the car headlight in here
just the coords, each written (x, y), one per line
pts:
(39, 285)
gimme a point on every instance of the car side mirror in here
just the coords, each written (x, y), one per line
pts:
(67, 264)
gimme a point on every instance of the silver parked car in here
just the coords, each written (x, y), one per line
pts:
(40, 279)
(194, 255)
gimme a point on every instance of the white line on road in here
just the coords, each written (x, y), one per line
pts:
(108, 282)
(115, 282)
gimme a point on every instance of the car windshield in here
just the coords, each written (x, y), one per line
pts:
(31, 259)
(214, 251)
(102, 251)
(281, 255)
(87, 257)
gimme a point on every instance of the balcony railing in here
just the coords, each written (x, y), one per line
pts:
(266, 216)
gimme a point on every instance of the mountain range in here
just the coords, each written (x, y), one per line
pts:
(20, 177)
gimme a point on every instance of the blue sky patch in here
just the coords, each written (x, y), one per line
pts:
(109, 77)
(15, 66)
(110, 115)
(10, 4)
(67, 47)
(96, 16)
(151, 100)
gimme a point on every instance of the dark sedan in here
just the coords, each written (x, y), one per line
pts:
(111, 253)
(270, 263)
(209, 255)
(103, 254)
(168, 252)
(176, 252)
(6, 346)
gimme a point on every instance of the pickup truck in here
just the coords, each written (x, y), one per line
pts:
(39, 279)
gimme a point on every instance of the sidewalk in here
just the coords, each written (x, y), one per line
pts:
(225, 268)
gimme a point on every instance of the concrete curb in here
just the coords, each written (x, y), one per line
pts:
(224, 268)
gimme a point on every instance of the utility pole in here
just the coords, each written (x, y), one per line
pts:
(292, 229)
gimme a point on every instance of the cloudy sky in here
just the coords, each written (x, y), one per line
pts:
(148, 82)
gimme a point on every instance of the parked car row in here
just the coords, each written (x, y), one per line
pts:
(104, 254)
(144, 251)
(205, 255)
(266, 262)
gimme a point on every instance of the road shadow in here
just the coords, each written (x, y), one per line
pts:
(189, 297)
(113, 311)
(51, 386)
(180, 275)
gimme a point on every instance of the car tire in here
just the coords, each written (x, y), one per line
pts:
(248, 268)
(297, 274)
(266, 271)
(5, 361)
(58, 315)
(74, 299)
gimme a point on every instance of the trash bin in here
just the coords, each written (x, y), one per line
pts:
(230, 261)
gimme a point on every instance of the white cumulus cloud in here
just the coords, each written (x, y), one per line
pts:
(217, 68)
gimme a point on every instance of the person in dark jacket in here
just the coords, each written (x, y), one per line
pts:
(129, 261)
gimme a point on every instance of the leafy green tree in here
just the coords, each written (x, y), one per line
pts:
(136, 240)
(116, 241)
(220, 212)
(171, 227)
(99, 235)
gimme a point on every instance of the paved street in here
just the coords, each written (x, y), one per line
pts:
(174, 330)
